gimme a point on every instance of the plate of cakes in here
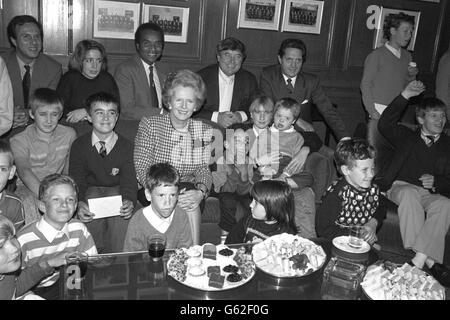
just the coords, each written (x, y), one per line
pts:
(386, 280)
(210, 267)
(286, 255)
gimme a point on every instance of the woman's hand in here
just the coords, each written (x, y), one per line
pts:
(305, 125)
(268, 159)
(77, 115)
(126, 210)
(190, 200)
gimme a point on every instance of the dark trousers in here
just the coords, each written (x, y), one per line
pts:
(228, 202)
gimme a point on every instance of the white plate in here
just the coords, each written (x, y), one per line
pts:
(381, 284)
(272, 255)
(202, 282)
(342, 243)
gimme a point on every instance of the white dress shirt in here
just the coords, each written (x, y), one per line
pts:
(159, 223)
(292, 80)
(226, 87)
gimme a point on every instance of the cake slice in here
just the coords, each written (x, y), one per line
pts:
(216, 280)
(209, 251)
(213, 269)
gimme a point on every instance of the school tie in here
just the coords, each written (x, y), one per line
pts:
(102, 151)
(153, 94)
(431, 140)
(290, 86)
(26, 83)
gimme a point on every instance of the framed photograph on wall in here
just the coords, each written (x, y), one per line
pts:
(114, 19)
(304, 16)
(385, 12)
(259, 14)
(173, 20)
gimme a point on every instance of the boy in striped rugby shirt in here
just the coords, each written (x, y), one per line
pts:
(56, 232)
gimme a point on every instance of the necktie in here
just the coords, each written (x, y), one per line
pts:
(153, 94)
(26, 83)
(289, 85)
(102, 151)
(431, 142)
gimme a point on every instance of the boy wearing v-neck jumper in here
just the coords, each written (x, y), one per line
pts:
(101, 163)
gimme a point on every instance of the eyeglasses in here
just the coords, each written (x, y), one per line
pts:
(92, 60)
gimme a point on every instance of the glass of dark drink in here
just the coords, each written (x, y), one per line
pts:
(156, 246)
(79, 259)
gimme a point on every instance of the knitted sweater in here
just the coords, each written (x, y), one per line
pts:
(75, 88)
(178, 235)
(344, 205)
(248, 229)
(384, 77)
(16, 284)
(89, 169)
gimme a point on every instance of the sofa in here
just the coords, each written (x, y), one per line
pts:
(319, 164)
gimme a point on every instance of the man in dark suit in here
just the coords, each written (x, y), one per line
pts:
(286, 79)
(28, 67)
(418, 178)
(230, 89)
(139, 82)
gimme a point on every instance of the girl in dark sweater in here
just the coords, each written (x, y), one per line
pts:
(273, 212)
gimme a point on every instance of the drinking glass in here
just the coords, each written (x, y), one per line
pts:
(156, 246)
(79, 259)
(356, 234)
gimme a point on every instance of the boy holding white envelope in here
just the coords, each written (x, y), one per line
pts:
(101, 163)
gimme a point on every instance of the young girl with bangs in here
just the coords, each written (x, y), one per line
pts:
(272, 210)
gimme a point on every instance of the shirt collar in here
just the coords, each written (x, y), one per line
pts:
(395, 52)
(49, 232)
(225, 78)
(160, 224)
(258, 131)
(292, 79)
(109, 142)
(146, 66)
(424, 137)
(35, 135)
(22, 64)
(274, 129)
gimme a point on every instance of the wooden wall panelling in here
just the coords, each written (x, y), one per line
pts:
(55, 19)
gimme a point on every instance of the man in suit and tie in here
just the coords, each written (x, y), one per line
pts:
(230, 89)
(27, 66)
(286, 79)
(138, 80)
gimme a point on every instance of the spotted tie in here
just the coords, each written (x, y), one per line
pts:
(102, 151)
(153, 95)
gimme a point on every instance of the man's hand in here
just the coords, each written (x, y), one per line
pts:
(237, 117)
(126, 210)
(226, 119)
(268, 159)
(427, 181)
(190, 200)
(20, 117)
(375, 115)
(414, 88)
(83, 212)
(413, 71)
(77, 115)
(305, 125)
